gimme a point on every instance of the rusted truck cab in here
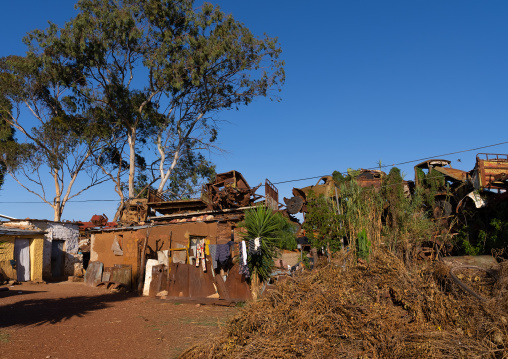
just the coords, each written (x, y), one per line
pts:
(456, 184)
(325, 186)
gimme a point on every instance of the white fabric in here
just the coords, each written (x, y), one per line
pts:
(148, 275)
(257, 243)
(244, 252)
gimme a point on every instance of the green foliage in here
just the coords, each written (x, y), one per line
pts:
(274, 231)
(361, 209)
(157, 71)
(472, 250)
(368, 217)
(285, 233)
(486, 229)
(364, 245)
(406, 220)
(430, 185)
(322, 223)
(190, 174)
(35, 100)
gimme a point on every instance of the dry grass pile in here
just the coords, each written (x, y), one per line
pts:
(378, 310)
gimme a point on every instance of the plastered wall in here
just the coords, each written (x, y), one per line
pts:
(36, 257)
(67, 232)
(159, 238)
(6, 254)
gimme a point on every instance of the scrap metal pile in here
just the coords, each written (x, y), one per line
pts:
(228, 191)
(380, 309)
(486, 182)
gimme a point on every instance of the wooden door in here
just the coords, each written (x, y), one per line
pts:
(22, 257)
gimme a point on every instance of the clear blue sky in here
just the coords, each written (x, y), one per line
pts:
(365, 81)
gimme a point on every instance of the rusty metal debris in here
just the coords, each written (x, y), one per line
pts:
(434, 248)
(486, 182)
(325, 186)
(490, 172)
(134, 211)
(271, 195)
(97, 220)
(328, 187)
(448, 193)
(229, 190)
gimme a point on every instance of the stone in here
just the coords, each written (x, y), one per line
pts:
(163, 293)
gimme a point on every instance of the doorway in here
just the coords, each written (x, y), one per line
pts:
(22, 257)
(57, 258)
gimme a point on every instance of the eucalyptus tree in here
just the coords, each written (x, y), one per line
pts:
(7, 141)
(158, 70)
(36, 100)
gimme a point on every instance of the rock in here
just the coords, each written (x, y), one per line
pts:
(163, 293)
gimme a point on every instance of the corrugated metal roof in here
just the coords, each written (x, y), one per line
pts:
(5, 231)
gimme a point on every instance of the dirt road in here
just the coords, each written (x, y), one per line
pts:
(71, 320)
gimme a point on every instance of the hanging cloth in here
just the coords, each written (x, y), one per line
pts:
(244, 252)
(223, 254)
(244, 268)
(255, 246)
(213, 254)
(200, 254)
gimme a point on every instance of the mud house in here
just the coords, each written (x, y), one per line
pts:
(59, 254)
(184, 247)
(21, 254)
(176, 246)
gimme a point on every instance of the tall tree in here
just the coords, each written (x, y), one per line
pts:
(163, 67)
(35, 100)
(7, 141)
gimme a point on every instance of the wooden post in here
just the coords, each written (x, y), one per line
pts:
(170, 257)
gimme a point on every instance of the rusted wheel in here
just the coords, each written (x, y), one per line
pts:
(294, 204)
(442, 208)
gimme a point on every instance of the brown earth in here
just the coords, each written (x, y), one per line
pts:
(71, 320)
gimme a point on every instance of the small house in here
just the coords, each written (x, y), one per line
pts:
(21, 254)
(60, 257)
(175, 246)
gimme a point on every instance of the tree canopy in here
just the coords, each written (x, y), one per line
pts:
(154, 73)
(35, 101)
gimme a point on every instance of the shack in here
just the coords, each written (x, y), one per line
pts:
(60, 257)
(182, 254)
(182, 247)
(21, 254)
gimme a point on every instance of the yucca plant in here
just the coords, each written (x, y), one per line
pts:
(275, 232)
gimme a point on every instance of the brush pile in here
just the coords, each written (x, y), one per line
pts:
(377, 310)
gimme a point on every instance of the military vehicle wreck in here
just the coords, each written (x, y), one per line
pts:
(229, 191)
(328, 187)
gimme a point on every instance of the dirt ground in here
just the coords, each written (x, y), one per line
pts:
(71, 320)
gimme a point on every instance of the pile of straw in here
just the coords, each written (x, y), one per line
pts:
(377, 310)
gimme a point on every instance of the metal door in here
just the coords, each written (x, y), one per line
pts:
(57, 258)
(22, 257)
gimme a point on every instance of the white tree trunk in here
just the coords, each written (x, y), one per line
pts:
(132, 160)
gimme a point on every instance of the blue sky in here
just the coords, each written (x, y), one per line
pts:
(365, 81)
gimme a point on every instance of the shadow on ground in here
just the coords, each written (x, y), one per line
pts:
(51, 311)
(16, 293)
